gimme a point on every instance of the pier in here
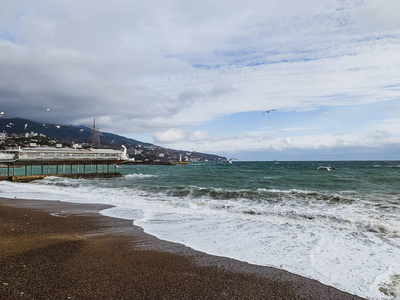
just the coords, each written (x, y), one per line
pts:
(25, 172)
(27, 164)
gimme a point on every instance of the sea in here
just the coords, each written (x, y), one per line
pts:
(340, 227)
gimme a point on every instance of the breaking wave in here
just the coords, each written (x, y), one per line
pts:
(139, 175)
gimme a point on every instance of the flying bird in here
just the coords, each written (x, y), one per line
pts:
(26, 125)
(1, 114)
(268, 111)
(229, 161)
(47, 109)
(327, 168)
(12, 124)
(8, 126)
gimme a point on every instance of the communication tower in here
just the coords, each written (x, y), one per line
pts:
(95, 135)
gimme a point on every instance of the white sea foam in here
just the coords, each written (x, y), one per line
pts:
(389, 282)
(345, 246)
(139, 175)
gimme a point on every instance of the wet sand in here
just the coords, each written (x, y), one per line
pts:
(58, 250)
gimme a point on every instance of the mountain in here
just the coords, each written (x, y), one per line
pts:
(69, 133)
(21, 132)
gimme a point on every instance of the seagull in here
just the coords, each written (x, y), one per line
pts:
(268, 111)
(8, 126)
(80, 130)
(1, 114)
(26, 125)
(229, 161)
(57, 126)
(327, 168)
(47, 109)
(12, 124)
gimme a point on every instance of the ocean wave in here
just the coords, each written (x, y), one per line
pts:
(259, 195)
(304, 208)
(310, 196)
(387, 166)
(139, 175)
(293, 206)
(59, 181)
(331, 227)
(389, 229)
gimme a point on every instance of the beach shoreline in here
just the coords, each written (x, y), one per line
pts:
(60, 250)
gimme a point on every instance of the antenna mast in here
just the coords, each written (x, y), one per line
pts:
(95, 135)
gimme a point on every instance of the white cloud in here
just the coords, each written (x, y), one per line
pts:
(288, 141)
(298, 128)
(147, 66)
(8, 9)
(257, 141)
(169, 136)
(198, 136)
(175, 135)
(375, 14)
(379, 134)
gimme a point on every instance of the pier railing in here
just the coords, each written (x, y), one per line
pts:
(28, 171)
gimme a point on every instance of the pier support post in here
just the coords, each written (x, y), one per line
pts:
(14, 169)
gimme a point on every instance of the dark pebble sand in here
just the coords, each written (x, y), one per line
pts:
(55, 250)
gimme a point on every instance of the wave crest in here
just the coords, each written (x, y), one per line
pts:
(59, 181)
(139, 175)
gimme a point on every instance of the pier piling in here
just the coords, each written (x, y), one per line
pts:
(20, 173)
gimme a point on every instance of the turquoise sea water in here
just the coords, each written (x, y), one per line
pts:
(341, 227)
(371, 177)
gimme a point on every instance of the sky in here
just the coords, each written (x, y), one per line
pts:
(199, 75)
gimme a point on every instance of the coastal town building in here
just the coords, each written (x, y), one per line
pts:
(3, 136)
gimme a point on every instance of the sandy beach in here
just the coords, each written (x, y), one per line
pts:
(59, 250)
